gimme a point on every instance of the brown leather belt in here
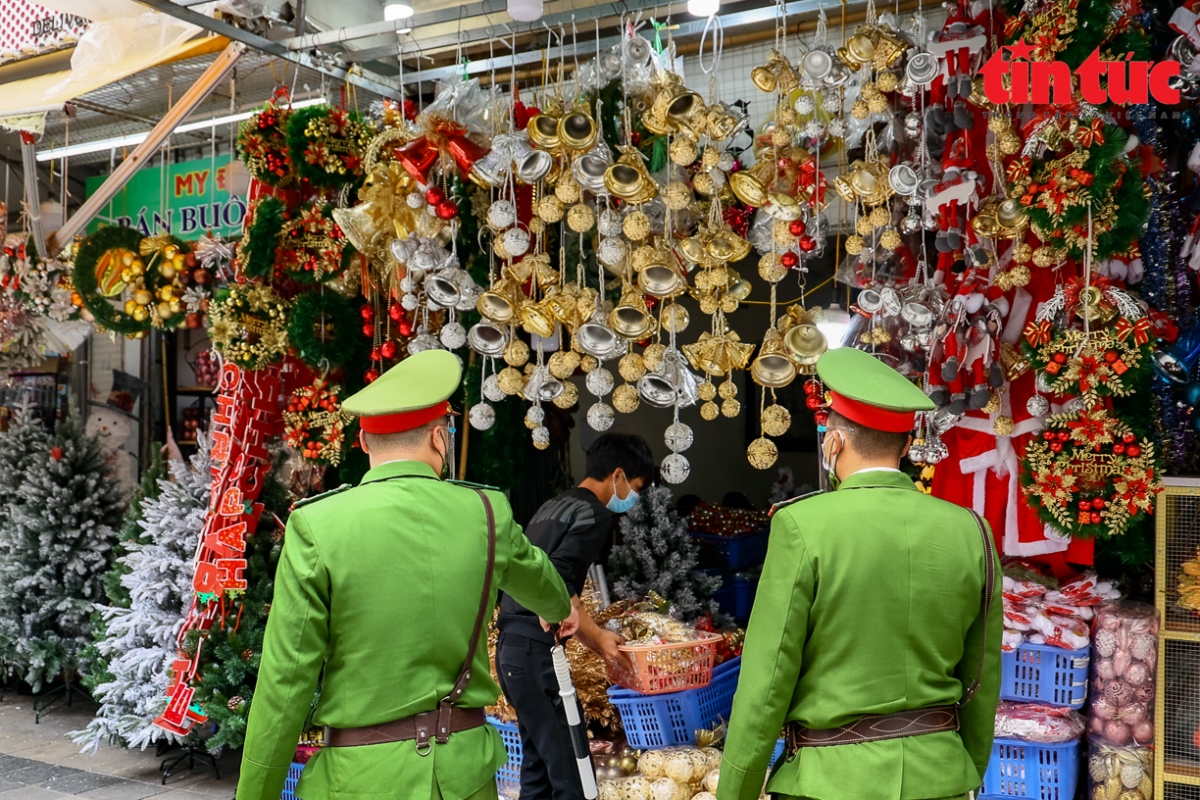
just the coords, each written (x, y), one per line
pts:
(424, 728)
(876, 728)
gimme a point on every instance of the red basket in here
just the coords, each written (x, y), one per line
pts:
(660, 668)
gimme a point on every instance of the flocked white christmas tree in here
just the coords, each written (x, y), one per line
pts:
(656, 554)
(54, 551)
(139, 642)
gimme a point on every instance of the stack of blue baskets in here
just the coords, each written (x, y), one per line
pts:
(1048, 676)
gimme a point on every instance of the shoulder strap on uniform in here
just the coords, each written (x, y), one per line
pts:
(785, 503)
(989, 585)
(464, 675)
(304, 501)
(475, 486)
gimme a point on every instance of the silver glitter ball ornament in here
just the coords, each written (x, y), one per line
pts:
(415, 200)
(610, 223)
(678, 437)
(409, 302)
(599, 382)
(453, 335)
(804, 104)
(1043, 383)
(600, 416)
(675, 468)
(535, 415)
(837, 127)
(491, 389)
(541, 437)
(911, 224)
(1037, 406)
(482, 416)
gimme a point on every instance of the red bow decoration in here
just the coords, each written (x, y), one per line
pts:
(522, 114)
(422, 153)
(1090, 133)
(1038, 333)
(1019, 169)
(1140, 330)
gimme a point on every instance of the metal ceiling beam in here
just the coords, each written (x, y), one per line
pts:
(369, 81)
(310, 40)
(695, 27)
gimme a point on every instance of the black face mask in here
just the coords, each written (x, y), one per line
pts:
(447, 455)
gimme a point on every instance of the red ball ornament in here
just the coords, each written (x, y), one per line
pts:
(651, 301)
(376, 354)
(1098, 503)
(368, 330)
(1060, 358)
(434, 195)
(56, 453)
(395, 312)
(821, 416)
(388, 350)
(1110, 356)
(1129, 438)
(1048, 435)
(813, 402)
(447, 209)
(1055, 447)
(1118, 449)
(1063, 436)
(808, 244)
(1133, 451)
(797, 227)
(404, 328)
(1096, 518)
(635, 138)
(789, 260)
(1085, 505)
(812, 386)
(367, 312)
(643, 343)
(371, 375)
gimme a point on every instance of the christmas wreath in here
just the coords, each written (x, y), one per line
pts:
(256, 250)
(249, 325)
(323, 327)
(118, 262)
(327, 144)
(1086, 174)
(314, 423)
(312, 247)
(1069, 30)
(262, 143)
(1089, 475)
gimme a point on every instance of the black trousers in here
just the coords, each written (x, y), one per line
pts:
(548, 768)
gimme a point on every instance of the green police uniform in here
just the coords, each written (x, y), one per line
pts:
(379, 586)
(870, 602)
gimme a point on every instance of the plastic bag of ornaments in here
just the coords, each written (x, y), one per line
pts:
(1120, 773)
(1123, 675)
(1031, 722)
(676, 773)
(1037, 613)
(613, 760)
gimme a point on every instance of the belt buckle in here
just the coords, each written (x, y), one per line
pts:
(424, 745)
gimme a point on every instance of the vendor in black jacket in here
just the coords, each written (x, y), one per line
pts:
(575, 529)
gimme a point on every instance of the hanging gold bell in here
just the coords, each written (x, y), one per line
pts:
(630, 318)
(859, 49)
(564, 307)
(629, 179)
(1012, 218)
(784, 206)
(543, 131)
(786, 78)
(725, 121)
(500, 303)
(659, 278)
(773, 368)
(889, 48)
(750, 185)
(805, 344)
(687, 111)
(537, 318)
(764, 78)
(577, 131)
(984, 223)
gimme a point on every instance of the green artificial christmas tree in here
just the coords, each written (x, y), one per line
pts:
(54, 552)
(656, 554)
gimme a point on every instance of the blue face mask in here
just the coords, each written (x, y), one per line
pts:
(619, 505)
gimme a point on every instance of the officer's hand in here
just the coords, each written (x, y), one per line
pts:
(608, 643)
(567, 627)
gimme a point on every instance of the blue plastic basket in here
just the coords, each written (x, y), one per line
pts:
(736, 595)
(1029, 771)
(289, 783)
(667, 720)
(776, 755)
(732, 552)
(1038, 673)
(508, 777)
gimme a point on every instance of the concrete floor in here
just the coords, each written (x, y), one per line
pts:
(39, 762)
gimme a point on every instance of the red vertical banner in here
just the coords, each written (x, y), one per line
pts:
(246, 415)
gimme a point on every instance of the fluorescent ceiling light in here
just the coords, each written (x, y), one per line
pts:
(137, 138)
(396, 9)
(703, 8)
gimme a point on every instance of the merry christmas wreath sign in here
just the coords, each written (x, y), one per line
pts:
(249, 325)
(327, 144)
(1089, 475)
(314, 423)
(262, 143)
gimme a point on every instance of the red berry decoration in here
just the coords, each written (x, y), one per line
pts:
(1098, 503)
(1056, 447)
(376, 354)
(651, 301)
(371, 375)
(367, 312)
(1085, 505)
(395, 312)
(1096, 517)
(1129, 438)
(447, 209)
(1133, 451)
(434, 195)
(388, 350)
(56, 453)
(368, 330)
(404, 328)
(1048, 435)
(790, 259)
(1118, 449)
(643, 343)
(797, 227)
(1063, 436)
(808, 244)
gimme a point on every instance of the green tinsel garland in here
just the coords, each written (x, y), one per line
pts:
(323, 328)
(256, 251)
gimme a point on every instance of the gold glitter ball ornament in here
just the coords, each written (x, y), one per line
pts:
(683, 151)
(781, 232)
(786, 115)
(510, 380)
(704, 184)
(562, 364)
(581, 218)
(890, 239)
(854, 245)
(762, 453)
(998, 125)
(1019, 276)
(709, 304)
(537, 226)
(1044, 257)
(1010, 144)
(675, 318)
(625, 398)
(568, 191)
(588, 363)
(780, 137)
(676, 195)
(706, 390)
(770, 270)
(860, 110)
(992, 151)
(887, 81)
(636, 226)
(992, 405)
(710, 157)
(569, 396)
(1022, 253)
(881, 216)
(729, 304)
(877, 104)
(652, 356)
(517, 353)
(864, 225)
(631, 367)
(776, 420)
(531, 423)
(731, 408)
(727, 390)
(1003, 425)
(869, 91)
(1003, 281)
(550, 209)
(710, 411)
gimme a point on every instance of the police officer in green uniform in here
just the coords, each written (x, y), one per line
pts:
(875, 636)
(385, 588)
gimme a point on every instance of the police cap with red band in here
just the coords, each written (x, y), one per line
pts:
(408, 395)
(866, 391)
